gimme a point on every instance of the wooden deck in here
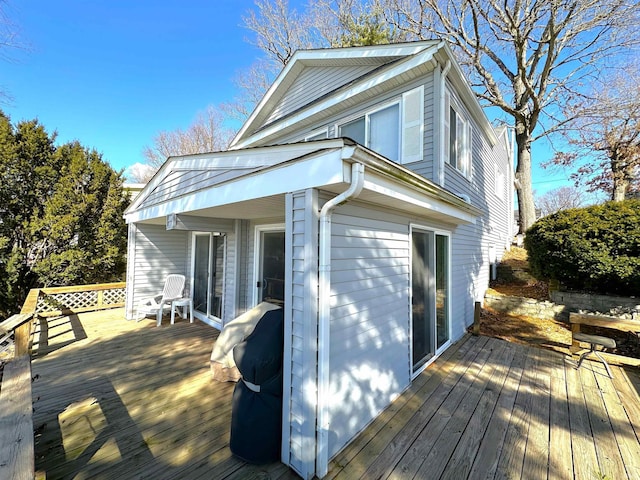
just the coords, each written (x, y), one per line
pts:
(492, 409)
(118, 400)
(115, 399)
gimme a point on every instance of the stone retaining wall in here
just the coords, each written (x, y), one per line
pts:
(591, 302)
(529, 307)
(559, 308)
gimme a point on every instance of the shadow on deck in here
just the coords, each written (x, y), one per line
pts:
(115, 399)
(118, 400)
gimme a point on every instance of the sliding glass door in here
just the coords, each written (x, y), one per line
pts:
(208, 274)
(429, 294)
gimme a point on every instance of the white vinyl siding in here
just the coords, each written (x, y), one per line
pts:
(244, 268)
(229, 299)
(470, 243)
(301, 333)
(314, 82)
(369, 350)
(156, 254)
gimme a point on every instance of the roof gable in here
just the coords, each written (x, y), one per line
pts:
(338, 67)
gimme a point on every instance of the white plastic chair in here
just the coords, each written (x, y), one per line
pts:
(173, 287)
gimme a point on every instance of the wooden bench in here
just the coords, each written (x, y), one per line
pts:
(17, 460)
(604, 321)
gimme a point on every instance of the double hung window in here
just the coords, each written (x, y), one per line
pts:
(393, 130)
(458, 136)
(378, 130)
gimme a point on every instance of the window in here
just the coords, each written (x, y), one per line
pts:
(379, 130)
(457, 138)
(394, 130)
(321, 135)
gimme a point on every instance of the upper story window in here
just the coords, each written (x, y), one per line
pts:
(319, 135)
(393, 130)
(378, 130)
(457, 136)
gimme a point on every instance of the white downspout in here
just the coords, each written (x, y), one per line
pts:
(443, 87)
(324, 298)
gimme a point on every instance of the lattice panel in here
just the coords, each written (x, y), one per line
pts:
(113, 296)
(67, 301)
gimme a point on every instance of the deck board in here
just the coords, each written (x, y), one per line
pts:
(115, 400)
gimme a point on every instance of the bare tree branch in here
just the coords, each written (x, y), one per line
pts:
(206, 134)
(527, 57)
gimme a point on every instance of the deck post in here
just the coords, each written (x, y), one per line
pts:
(476, 318)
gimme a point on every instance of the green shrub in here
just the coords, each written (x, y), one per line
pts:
(594, 249)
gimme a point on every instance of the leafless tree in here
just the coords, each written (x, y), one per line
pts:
(251, 84)
(206, 134)
(9, 41)
(525, 57)
(562, 198)
(604, 135)
(279, 30)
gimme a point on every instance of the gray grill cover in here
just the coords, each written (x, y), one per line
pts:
(256, 414)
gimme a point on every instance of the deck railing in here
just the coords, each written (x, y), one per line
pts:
(16, 421)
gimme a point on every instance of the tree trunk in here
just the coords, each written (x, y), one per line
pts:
(620, 188)
(524, 190)
(621, 175)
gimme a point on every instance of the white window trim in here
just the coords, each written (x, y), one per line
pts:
(447, 344)
(257, 246)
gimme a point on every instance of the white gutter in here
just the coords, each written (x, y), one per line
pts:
(324, 299)
(443, 87)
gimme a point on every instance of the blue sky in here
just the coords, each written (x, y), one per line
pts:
(114, 73)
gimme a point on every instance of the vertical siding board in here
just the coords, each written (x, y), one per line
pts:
(299, 419)
(131, 263)
(230, 278)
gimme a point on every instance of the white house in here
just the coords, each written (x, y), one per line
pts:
(368, 194)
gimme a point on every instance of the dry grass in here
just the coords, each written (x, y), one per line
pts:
(545, 333)
(514, 279)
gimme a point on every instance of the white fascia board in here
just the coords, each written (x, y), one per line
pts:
(410, 196)
(250, 158)
(255, 157)
(339, 97)
(373, 51)
(315, 171)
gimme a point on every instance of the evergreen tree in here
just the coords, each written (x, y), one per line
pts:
(61, 214)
